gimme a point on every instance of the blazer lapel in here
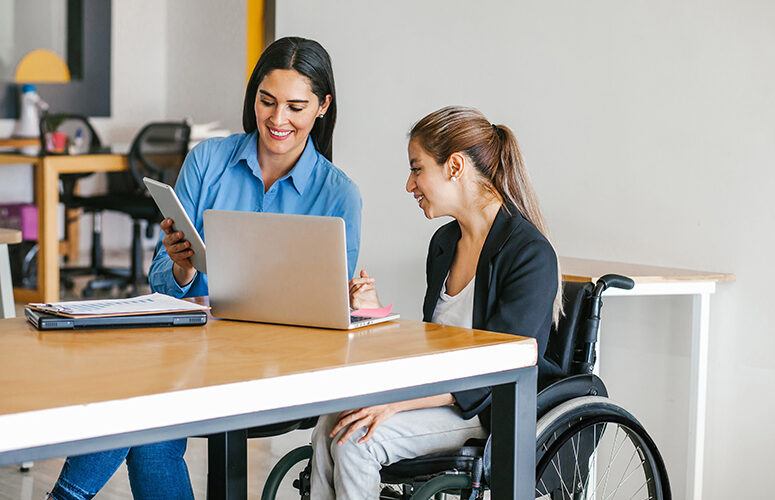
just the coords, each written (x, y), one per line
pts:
(440, 262)
(502, 227)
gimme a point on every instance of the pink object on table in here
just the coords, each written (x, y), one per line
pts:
(373, 313)
(21, 216)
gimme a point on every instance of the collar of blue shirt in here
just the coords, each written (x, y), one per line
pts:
(299, 174)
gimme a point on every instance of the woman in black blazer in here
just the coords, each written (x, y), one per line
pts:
(491, 268)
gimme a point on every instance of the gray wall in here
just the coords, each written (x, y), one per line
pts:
(648, 130)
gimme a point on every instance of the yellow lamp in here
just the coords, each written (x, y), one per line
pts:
(37, 66)
(42, 66)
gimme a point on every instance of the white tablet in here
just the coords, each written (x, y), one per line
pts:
(170, 207)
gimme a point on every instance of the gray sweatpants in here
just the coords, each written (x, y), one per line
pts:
(351, 471)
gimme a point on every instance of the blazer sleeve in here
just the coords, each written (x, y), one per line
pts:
(524, 307)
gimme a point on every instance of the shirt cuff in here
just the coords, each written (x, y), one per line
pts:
(165, 282)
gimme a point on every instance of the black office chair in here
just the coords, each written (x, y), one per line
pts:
(157, 152)
(580, 432)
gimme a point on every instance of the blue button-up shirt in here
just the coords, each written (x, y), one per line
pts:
(224, 174)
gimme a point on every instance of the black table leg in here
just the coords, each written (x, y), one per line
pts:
(227, 466)
(514, 438)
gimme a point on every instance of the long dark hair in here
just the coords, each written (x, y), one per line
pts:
(495, 153)
(310, 59)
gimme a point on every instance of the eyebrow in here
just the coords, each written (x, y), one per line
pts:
(302, 101)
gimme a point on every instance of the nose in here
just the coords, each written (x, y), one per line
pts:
(278, 116)
(410, 183)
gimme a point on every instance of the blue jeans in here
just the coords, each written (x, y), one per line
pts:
(156, 471)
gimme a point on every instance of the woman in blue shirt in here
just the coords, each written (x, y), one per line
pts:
(281, 164)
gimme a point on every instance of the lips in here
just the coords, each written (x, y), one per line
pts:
(419, 198)
(279, 134)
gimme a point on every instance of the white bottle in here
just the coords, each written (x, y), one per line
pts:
(30, 109)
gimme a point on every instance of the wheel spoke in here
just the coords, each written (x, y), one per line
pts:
(610, 460)
(626, 470)
(612, 456)
(576, 461)
(625, 479)
(641, 487)
(559, 474)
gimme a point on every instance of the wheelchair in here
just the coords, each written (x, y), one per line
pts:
(587, 446)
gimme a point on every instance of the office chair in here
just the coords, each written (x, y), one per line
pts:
(158, 152)
(580, 433)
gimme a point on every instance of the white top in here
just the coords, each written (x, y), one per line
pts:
(455, 310)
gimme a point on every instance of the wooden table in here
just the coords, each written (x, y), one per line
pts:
(19, 142)
(97, 390)
(7, 237)
(47, 171)
(654, 280)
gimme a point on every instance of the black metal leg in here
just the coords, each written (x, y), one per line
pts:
(514, 438)
(227, 466)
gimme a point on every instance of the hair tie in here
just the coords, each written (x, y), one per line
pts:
(494, 127)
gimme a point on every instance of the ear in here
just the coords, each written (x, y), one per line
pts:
(325, 104)
(456, 164)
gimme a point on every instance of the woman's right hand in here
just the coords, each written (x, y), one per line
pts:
(363, 293)
(179, 250)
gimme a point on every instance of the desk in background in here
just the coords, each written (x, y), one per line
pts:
(46, 174)
(653, 280)
(7, 237)
(98, 390)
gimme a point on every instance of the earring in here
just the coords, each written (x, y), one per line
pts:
(454, 179)
(321, 115)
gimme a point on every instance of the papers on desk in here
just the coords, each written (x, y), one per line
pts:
(155, 303)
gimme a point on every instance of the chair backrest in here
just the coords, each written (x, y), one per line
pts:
(80, 134)
(558, 360)
(157, 152)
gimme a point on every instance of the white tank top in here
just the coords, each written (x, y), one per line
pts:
(455, 310)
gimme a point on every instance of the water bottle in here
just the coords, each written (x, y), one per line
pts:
(30, 109)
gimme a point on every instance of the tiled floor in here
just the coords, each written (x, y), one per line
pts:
(263, 454)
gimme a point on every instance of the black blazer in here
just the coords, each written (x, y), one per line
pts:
(516, 282)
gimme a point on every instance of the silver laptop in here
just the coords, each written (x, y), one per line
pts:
(278, 268)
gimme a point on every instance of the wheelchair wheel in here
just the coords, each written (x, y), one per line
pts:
(590, 447)
(281, 469)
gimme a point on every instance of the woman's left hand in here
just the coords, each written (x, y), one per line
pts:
(370, 417)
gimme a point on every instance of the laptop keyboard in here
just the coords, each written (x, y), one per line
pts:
(357, 319)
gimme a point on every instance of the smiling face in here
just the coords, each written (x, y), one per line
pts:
(430, 183)
(286, 110)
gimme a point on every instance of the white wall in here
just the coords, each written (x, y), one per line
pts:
(206, 61)
(648, 128)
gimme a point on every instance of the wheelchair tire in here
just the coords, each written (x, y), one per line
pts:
(279, 471)
(587, 435)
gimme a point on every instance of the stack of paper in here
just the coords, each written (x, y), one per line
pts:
(155, 303)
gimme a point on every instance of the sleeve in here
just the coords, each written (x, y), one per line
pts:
(525, 300)
(188, 188)
(349, 209)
